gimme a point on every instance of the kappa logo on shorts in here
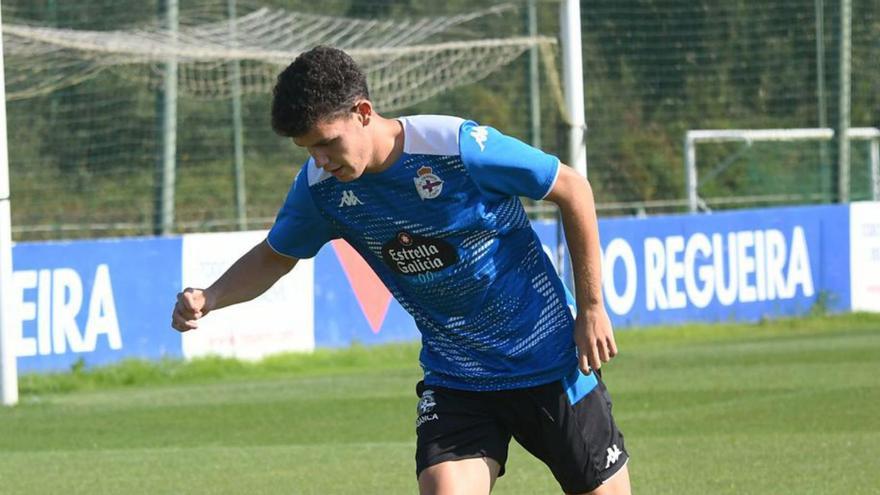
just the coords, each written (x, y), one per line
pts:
(613, 454)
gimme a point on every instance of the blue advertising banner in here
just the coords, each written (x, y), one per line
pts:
(95, 301)
(101, 301)
(742, 265)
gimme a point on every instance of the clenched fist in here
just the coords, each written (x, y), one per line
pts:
(192, 304)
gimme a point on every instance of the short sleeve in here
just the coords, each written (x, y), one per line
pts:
(299, 230)
(505, 166)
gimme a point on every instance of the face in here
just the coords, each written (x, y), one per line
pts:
(340, 146)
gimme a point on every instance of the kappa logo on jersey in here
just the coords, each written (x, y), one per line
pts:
(480, 135)
(613, 454)
(428, 185)
(349, 199)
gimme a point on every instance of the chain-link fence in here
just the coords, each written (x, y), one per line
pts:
(655, 69)
(86, 100)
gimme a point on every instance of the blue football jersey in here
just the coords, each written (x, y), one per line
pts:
(444, 229)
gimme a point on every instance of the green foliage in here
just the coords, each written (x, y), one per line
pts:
(820, 307)
(137, 372)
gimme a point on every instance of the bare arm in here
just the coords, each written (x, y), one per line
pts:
(593, 333)
(250, 276)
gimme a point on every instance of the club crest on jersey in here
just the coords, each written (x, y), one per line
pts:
(428, 185)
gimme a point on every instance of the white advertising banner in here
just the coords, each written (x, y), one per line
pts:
(864, 225)
(280, 320)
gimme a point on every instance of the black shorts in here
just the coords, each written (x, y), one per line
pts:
(579, 442)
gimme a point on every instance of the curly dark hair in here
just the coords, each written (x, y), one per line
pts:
(322, 83)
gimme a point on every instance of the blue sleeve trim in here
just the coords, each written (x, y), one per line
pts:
(503, 166)
(299, 230)
(555, 178)
(269, 243)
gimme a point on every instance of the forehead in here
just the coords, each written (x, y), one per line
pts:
(321, 132)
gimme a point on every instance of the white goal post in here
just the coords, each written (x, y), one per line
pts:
(8, 368)
(693, 137)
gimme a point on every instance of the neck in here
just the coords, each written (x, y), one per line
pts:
(388, 139)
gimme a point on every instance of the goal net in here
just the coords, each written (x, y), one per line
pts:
(402, 65)
(84, 116)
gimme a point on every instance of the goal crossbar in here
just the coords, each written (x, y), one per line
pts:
(693, 137)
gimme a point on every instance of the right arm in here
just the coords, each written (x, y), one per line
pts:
(250, 276)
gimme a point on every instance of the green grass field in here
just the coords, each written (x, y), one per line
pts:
(787, 407)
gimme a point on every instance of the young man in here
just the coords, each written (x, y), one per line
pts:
(431, 203)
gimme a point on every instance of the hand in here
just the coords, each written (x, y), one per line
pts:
(192, 304)
(594, 338)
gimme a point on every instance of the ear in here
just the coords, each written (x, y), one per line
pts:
(364, 110)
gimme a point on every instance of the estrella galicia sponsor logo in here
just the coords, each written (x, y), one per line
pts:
(428, 185)
(411, 254)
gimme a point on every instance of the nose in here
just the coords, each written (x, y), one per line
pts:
(321, 159)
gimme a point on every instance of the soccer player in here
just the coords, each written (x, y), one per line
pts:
(432, 204)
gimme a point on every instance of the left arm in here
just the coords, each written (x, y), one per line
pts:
(593, 334)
